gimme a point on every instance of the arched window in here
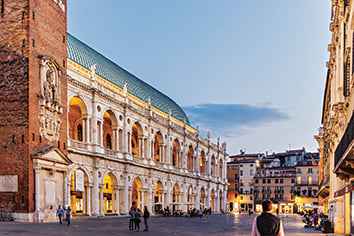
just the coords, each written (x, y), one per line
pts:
(108, 141)
(79, 132)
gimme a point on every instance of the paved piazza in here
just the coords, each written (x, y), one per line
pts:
(216, 225)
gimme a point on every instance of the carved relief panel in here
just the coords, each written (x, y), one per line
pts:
(49, 99)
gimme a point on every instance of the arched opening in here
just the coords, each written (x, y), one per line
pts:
(176, 198)
(212, 200)
(202, 198)
(138, 197)
(220, 169)
(136, 139)
(158, 197)
(190, 198)
(78, 192)
(158, 148)
(212, 166)
(79, 133)
(176, 153)
(109, 130)
(109, 194)
(202, 163)
(190, 156)
(77, 119)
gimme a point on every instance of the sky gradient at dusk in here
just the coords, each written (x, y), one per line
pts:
(251, 72)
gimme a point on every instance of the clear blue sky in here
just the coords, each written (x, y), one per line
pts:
(251, 72)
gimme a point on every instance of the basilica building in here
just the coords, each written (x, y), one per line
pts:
(81, 131)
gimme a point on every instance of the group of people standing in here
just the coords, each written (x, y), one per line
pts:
(60, 214)
(134, 219)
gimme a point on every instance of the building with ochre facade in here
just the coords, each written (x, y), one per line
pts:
(88, 134)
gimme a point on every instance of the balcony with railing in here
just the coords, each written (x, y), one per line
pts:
(343, 156)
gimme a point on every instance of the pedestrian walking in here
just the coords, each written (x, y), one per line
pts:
(60, 213)
(267, 223)
(131, 219)
(68, 214)
(146, 217)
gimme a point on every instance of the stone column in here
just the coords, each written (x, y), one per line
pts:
(153, 201)
(198, 162)
(130, 198)
(117, 201)
(94, 130)
(125, 197)
(163, 199)
(184, 201)
(217, 207)
(89, 200)
(101, 201)
(37, 187)
(140, 147)
(143, 199)
(65, 200)
(87, 130)
(197, 197)
(101, 133)
(95, 193)
(208, 198)
(115, 138)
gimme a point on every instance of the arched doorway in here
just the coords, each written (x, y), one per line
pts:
(159, 198)
(138, 197)
(212, 200)
(109, 130)
(77, 118)
(176, 153)
(190, 156)
(176, 198)
(202, 163)
(190, 198)
(159, 148)
(79, 192)
(109, 194)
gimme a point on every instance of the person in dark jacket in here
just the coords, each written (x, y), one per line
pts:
(146, 216)
(267, 223)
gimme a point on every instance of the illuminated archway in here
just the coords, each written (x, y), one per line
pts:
(138, 198)
(176, 198)
(78, 192)
(176, 153)
(109, 130)
(202, 198)
(159, 148)
(109, 194)
(77, 119)
(212, 200)
(159, 197)
(136, 139)
(190, 198)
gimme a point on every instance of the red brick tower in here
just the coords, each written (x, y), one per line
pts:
(33, 93)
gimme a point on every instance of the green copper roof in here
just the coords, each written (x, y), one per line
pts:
(86, 56)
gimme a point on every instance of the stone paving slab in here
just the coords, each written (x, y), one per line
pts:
(223, 225)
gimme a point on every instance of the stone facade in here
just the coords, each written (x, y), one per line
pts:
(71, 137)
(336, 134)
